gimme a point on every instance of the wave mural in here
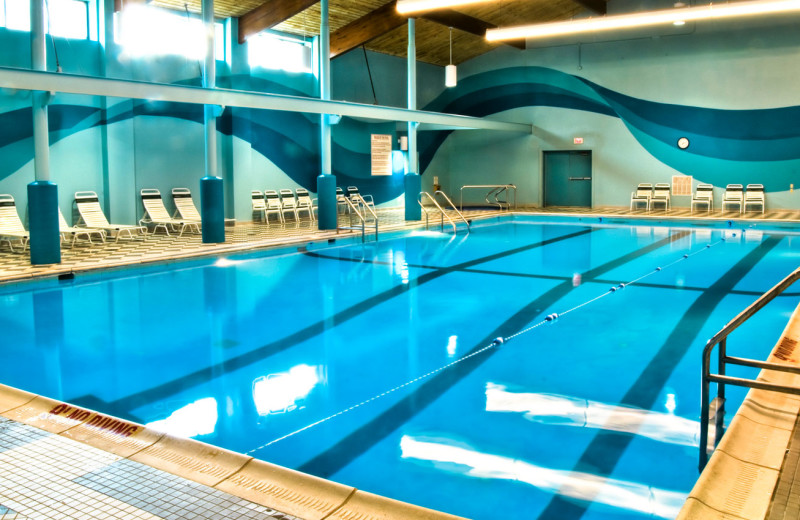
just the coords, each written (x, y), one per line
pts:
(726, 145)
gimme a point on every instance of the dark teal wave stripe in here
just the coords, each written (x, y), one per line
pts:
(759, 145)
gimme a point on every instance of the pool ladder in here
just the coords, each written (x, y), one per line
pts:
(442, 213)
(358, 207)
(714, 411)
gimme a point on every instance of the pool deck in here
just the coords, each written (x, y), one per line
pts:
(60, 461)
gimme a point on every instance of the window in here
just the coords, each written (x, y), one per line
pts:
(145, 31)
(63, 18)
(273, 51)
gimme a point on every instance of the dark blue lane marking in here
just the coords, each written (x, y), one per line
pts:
(122, 407)
(603, 453)
(673, 287)
(339, 455)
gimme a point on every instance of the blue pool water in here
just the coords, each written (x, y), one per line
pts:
(592, 415)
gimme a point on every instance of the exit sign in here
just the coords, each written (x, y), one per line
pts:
(577, 140)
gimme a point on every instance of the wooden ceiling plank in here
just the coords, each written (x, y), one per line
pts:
(364, 29)
(598, 6)
(270, 14)
(466, 23)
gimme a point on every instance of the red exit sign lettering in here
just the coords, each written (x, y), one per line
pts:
(577, 140)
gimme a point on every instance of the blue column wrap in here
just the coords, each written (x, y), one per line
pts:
(413, 185)
(212, 210)
(45, 243)
(326, 198)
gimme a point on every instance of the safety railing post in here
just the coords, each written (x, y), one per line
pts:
(704, 407)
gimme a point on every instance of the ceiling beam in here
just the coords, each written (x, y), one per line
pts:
(466, 23)
(386, 18)
(106, 87)
(371, 25)
(598, 6)
(269, 14)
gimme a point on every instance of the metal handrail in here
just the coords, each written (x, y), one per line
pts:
(441, 211)
(496, 192)
(720, 338)
(492, 187)
(443, 194)
(352, 208)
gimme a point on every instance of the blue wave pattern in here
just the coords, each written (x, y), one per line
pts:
(726, 145)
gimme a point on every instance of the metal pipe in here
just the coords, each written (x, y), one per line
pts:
(325, 86)
(411, 65)
(210, 81)
(704, 406)
(760, 364)
(40, 99)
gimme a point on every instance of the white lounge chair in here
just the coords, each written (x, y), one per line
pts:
(273, 204)
(156, 214)
(258, 204)
(288, 203)
(92, 216)
(643, 193)
(11, 228)
(68, 231)
(305, 202)
(184, 206)
(661, 194)
(734, 196)
(754, 196)
(703, 194)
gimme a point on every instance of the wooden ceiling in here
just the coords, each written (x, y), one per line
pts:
(377, 25)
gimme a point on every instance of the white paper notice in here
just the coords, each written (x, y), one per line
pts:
(381, 154)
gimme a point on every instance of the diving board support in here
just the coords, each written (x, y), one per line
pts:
(76, 84)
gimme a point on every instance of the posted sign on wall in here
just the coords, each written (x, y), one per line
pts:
(381, 154)
(681, 184)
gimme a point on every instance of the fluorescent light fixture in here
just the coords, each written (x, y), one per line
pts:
(625, 21)
(416, 6)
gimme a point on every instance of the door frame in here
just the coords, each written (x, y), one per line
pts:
(542, 182)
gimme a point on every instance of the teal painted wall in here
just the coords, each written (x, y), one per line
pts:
(731, 88)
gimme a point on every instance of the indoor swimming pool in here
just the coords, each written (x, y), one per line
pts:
(378, 365)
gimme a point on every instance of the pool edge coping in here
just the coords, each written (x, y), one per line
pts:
(288, 491)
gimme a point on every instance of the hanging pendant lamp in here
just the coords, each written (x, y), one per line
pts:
(450, 73)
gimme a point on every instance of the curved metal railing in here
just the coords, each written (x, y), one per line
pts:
(442, 212)
(494, 190)
(450, 202)
(720, 338)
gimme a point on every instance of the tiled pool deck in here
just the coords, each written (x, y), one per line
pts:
(58, 461)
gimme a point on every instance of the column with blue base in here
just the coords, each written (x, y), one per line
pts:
(45, 241)
(212, 210)
(413, 185)
(326, 198)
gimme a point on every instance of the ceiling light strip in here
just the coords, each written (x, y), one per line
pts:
(416, 6)
(625, 21)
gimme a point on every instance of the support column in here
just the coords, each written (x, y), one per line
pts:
(45, 241)
(212, 195)
(412, 181)
(326, 181)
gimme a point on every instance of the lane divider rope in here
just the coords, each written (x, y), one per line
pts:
(494, 343)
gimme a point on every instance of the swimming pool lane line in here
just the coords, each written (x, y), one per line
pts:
(537, 276)
(347, 449)
(606, 449)
(122, 407)
(495, 343)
